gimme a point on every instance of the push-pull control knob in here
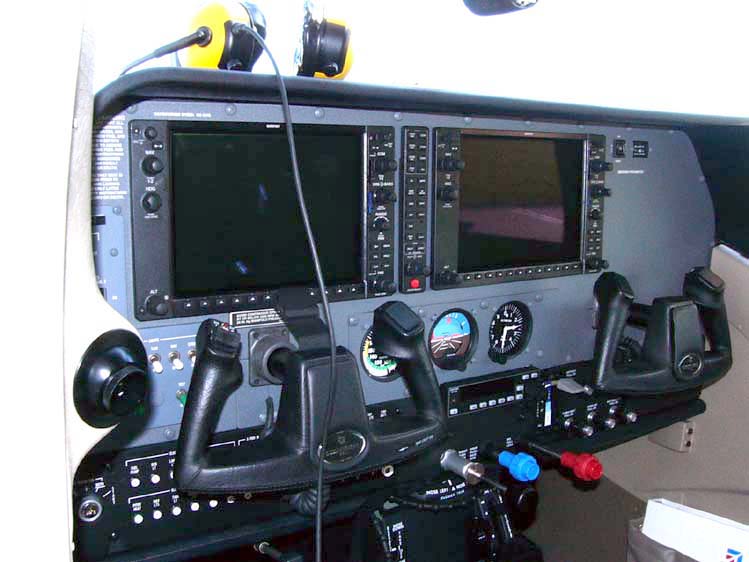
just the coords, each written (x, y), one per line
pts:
(584, 466)
(598, 166)
(603, 422)
(450, 165)
(471, 472)
(522, 466)
(579, 430)
(622, 415)
(595, 214)
(152, 166)
(384, 165)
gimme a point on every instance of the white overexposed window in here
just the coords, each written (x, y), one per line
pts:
(668, 55)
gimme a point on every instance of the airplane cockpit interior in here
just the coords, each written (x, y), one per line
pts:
(313, 318)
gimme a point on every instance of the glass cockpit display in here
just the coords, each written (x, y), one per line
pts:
(520, 201)
(237, 224)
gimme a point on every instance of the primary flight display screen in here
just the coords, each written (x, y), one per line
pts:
(520, 201)
(236, 221)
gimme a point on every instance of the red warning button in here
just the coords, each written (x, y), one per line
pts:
(414, 283)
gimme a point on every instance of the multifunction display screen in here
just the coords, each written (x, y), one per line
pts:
(237, 224)
(520, 201)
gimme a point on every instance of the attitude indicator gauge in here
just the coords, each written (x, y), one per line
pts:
(509, 331)
(452, 340)
(379, 366)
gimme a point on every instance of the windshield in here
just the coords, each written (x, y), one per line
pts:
(666, 55)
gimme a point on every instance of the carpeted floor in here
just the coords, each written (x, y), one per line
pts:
(576, 525)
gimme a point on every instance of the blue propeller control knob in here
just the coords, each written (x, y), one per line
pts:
(522, 466)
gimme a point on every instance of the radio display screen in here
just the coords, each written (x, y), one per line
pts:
(486, 389)
(236, 221)
(520, 201)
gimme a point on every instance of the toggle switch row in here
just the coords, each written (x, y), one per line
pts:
(175, 359)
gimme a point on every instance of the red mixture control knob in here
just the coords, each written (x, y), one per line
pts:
(584, 466)
(414, 283)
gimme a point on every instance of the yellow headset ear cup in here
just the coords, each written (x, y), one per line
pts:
(214, 16)
(347, 62)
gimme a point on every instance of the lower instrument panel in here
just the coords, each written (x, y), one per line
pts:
(138, 506)
(492, 231)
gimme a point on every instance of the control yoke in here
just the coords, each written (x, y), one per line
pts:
(674, 357)
(286, 457)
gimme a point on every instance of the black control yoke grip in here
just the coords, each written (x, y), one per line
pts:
(286, 457)
(399, 332)
(706, 289)
(614, 297)
(219, 375)
(671, 361)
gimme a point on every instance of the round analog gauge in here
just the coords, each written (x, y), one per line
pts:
(377, 365)
(509, 331)
(452, 339)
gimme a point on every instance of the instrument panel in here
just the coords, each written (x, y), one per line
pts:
(492, 231)
(534, 316)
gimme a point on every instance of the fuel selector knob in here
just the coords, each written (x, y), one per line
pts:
(152, 166)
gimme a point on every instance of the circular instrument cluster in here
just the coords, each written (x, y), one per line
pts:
(452, 340)
(509, 331)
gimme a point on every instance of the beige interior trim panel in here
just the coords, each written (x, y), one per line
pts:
(711, 474)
